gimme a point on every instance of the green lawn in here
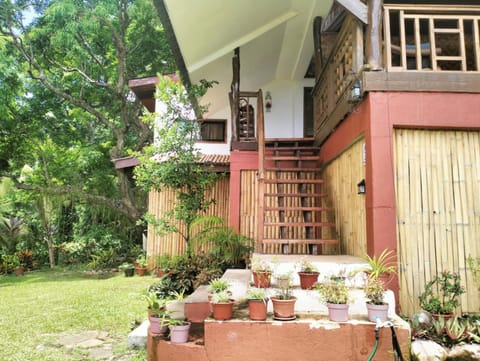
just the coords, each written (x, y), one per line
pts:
(41, 306)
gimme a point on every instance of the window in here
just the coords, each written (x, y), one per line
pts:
(213, 130)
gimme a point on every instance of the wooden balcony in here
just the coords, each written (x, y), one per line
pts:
(433, 48)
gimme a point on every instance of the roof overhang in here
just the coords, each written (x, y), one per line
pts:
(275, 38)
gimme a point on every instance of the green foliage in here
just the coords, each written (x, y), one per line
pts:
(441, 294)
(221, 297)
(255, 293)
(224, 242)
(173, 161)
(306, 266)
(374, 291)
(186, 273)
(217, 285)
(384, 263)
(333, 292)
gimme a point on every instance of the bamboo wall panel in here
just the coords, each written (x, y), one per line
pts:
(437, 175)
(162, 202)
(341, 177)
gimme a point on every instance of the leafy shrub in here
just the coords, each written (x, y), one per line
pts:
(187, 273)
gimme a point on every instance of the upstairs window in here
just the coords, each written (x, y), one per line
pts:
(213, 130)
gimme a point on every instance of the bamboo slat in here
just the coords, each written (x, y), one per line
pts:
(341, 177)
(437, 182)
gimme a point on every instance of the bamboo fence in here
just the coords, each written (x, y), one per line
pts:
(438, 210)
(164, 201)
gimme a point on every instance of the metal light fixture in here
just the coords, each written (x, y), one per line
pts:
(361, 187)
(355, 92)
(268, 101)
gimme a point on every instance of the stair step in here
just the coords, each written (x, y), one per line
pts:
(292, 157)
(300, 241)
(279, 209)
(293, 148)
(281, 169)
(299, 224)
(293, 181)
(305, 195)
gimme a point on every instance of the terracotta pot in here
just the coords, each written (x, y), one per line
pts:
(377, 311)
(337, 312)
(445, 316)
(222, 310)
(160, 272)
(19, 271)
(141, 271)
(307, 280)
(262, 279)
(179, 334)
(258, 309)
(284, 309)
(156, 325)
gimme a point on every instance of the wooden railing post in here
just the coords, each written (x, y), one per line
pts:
(261, 171)
(235, 93)
(374, 34)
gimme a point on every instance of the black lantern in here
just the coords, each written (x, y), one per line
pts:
(361, 187)
(268, 101)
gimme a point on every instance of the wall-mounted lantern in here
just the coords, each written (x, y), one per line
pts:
(361, 187)
(268, 101)
(355, 92)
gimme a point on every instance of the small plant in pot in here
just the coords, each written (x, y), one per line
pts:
(222, 306)
(257, 304)
(335, 294)
(162, 264)
(262, 273)
(440, 295)
(284, 304)
(127, 268)
(141, 265)
(382, 267)
(176, 305)
(179, 330)
(308, 274)
(157, 313)
(376, 306)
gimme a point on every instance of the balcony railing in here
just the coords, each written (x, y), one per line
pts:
(433, 38)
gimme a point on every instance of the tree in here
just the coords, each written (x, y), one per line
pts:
(67, 110)
(80, 56)
(173, 162)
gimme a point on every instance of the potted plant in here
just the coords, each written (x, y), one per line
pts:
(308, 274)
(382, 267)
(222, 306)
(376, 306)
(283, 279)
(257, 304)
(335, 294)
(127, 268)
(217, 285)
(179, 330)
(284, 304)
(162, 263)
(19, 269)
(262, 273)
(141, 265)
(440, 295)
(157, 313)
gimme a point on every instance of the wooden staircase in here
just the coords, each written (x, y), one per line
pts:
(292, 214)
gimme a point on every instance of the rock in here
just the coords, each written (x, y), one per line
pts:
(423, 350)
(464, 353)
(138, 337)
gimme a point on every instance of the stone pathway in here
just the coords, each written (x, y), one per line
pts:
(98, 345)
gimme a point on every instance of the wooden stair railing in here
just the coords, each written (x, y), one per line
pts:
(290, 201)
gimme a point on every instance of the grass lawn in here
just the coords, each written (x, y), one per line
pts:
(35, 310)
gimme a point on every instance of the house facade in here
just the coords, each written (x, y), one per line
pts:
(345, 127)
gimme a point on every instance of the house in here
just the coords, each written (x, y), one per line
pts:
(345, 126)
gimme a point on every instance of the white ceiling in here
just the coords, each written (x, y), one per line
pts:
(275, 38)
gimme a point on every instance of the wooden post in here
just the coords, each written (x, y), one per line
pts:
(317, 45)
(261, 172)
(235, 92)
(375, 34)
